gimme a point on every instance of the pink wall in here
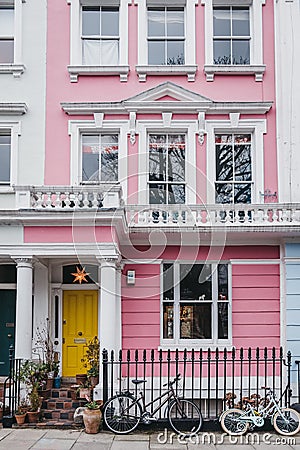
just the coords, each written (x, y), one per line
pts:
(110, 89)
(255, 300)
(69, 234)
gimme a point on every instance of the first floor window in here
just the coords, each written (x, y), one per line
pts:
(231, 39)
(6, 35)
(166, 175)
(100, 35)
(233, 168)
(5, 157)
(195, 302)
(166, 36)
(99, 157)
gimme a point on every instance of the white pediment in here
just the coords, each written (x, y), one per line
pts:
(168, 92)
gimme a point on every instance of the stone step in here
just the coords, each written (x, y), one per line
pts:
(53, 403)
(58, 414)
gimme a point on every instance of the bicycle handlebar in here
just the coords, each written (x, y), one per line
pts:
(170, 383)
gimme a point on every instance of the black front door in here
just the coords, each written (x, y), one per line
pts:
(7, 326)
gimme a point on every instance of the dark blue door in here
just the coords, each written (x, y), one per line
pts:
(7, 326)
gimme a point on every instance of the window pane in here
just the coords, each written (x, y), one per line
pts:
(6, 22)
(156, 52)
(5, 144)
(223, 282)
(109, 53)
(176, 194)
(242, 193)
(222, 320)
(168, 312)
(224, 193)
(195, 282)
(90, 158)
(157, 194)
(175, 22)
(242, 163)
(7, 51)
(221, 22)
(222, 52)
(110, 22)
(224, 162)
(8, 273)
(91, 52)
(240, 22)
(168, 281)
(90, 21)
(195, 321)
(176, 162)
(109, 158)
(157, 158)
(175, 53)
(156, 22)
(240, 52)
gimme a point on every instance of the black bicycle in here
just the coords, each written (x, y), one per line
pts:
(123, 412)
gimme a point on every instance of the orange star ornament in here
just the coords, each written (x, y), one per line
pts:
(80, 275)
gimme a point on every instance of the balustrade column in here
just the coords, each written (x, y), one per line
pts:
(23, 330)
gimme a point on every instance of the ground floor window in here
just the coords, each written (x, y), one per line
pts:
(195, 302)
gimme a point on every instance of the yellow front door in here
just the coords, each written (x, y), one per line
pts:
(80, 324)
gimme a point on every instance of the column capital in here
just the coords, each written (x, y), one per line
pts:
(23, 262)
(111, 260)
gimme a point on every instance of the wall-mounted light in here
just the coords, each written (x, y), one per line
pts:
(131, 277)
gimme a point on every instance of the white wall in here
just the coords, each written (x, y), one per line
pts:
(29, 88)
(287, 28)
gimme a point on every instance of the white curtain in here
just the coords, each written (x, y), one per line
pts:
(104, 53)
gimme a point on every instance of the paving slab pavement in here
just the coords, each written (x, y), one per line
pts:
(34, 439)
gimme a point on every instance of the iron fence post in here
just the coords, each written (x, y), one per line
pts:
(105, 374)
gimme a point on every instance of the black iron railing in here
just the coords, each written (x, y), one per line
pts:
(298, 380)
(213, 379)
(11, 389)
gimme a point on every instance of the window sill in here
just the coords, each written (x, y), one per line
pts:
(15, 69)
(196, 346)
(143, 71)
(75, 71)
(257, 70)
(6, 189)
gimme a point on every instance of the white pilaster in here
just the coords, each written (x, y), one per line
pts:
(41, 294)
(108, 304)
(23, 339)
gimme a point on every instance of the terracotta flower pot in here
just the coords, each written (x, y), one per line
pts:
(94, 381)
(33, 416)
(84, 392)
(81, 378)
(92, 420)
(20, 418)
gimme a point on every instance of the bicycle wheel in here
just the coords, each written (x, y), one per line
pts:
(232, 424)
(287, 422)
(184, 416)
(122, 414)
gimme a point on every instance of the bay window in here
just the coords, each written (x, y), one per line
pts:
(195, 303)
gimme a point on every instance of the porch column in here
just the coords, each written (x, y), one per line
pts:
(23, 332)
(108, 304)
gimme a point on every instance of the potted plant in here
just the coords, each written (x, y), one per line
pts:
(92, 416)
(20, 414)
(90, 361)
(32, 373)
(84, 390)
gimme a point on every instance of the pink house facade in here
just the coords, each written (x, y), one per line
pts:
(160, 181)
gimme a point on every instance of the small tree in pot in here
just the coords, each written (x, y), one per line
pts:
(32, 373)
(92, 416)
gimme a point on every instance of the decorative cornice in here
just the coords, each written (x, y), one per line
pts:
(13, 109)
(15, 69)
(120, 70)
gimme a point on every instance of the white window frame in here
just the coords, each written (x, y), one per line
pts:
(79, 127)
(256, 65)
(212, 343)
(189, 68)
(14, 128)
(17, 67)
(76, 67)
(190, 129)
(257, 128)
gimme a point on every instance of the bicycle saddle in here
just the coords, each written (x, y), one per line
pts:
(138, 381)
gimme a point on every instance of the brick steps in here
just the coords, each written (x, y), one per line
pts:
(60, 407)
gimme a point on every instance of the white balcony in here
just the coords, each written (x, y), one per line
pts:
(63, 198)
(207, 216)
